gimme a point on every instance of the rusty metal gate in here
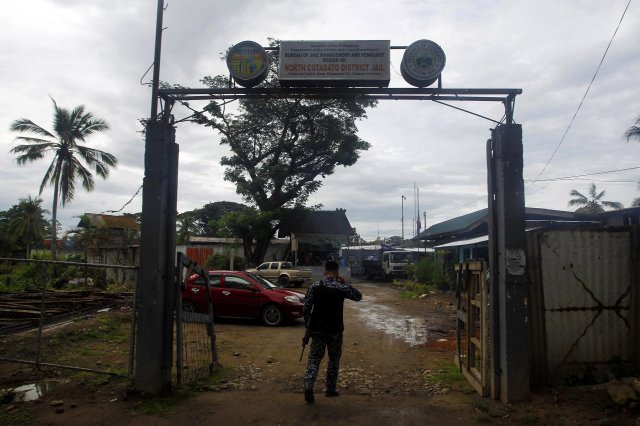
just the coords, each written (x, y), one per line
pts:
(472, 324)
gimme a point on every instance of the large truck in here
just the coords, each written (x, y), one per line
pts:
(388, 263)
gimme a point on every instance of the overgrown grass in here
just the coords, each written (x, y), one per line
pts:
(449, 373)
(14, 417)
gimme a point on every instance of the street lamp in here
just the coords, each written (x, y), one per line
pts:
(402, 201)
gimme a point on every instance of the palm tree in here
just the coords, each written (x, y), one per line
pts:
(185, 225)
(633, 132)
(27, 222)
(593, 203)
(70, 128)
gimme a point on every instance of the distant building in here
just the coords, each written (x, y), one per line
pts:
(107, 241)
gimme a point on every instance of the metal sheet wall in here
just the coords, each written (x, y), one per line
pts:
(586, 298)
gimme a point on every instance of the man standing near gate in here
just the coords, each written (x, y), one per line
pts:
(323, 316)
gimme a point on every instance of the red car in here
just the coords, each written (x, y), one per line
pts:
(237, 294)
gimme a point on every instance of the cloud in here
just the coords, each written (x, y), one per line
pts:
(96, 54)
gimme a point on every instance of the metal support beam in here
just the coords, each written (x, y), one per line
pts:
(507, 258)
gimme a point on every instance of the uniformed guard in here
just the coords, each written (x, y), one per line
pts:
(323, 316)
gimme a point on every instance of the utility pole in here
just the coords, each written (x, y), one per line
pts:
(402, 201)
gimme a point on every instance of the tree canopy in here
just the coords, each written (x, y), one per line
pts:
(633, 132)
(281, 149)
(27, 223)
(593, 203)
(71, 159)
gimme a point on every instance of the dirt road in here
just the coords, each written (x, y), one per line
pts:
(397, 369)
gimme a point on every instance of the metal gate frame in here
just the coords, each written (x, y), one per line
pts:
(472, 324)
(181, 317)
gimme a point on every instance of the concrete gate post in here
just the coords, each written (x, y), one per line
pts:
(155, 290)
(509, 288)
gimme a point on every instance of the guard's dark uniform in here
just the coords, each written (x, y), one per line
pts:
(326, 299)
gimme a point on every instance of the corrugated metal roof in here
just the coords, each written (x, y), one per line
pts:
(92, 220)
(464, 242)
(456, 224)
(474, 224)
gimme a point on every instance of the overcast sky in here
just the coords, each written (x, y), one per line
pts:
(96, 53)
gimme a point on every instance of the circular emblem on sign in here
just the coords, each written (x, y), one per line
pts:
(248, 63)
(422, 63)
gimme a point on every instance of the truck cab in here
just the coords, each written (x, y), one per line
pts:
(395, 263)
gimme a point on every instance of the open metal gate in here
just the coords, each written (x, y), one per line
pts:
(472, 325)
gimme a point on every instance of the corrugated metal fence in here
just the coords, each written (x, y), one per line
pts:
(583, 322)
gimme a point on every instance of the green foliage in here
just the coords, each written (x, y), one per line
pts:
(71, 159)
(20, 277)
(593, 203)
(412, 289)
(429, 270)
(449, 373)
(204, 220)
(27, 223)
(223, 260)
(633, 132)
(25, 276)
(250, 225)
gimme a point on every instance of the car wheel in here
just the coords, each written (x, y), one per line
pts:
(188, 306)
(272, 316)
(284, 281)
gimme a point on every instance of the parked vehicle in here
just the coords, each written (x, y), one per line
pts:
(388, 264)
(237, 294)
(282, 273)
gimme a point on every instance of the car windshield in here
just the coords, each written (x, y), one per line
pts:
(265, 283)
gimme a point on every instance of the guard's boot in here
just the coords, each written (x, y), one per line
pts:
(308, 394)
(331, 393)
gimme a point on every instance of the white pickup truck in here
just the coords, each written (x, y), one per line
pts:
(282, 273)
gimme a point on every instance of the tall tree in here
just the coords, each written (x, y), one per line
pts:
(71, 160)
(184, 227)
(633, 132)
(593, 203)
(282, 148)
(27, 223)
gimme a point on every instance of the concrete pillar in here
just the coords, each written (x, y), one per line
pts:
(509, 288)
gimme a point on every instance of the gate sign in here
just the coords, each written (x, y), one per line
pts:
(248, 63)
(363, 63)
(422, 63)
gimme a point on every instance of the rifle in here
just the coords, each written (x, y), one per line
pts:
(307, 333)
(305, 340)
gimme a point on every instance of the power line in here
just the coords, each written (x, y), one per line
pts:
(576, 177)
(584, 175)
(125, 204)
(585, 95)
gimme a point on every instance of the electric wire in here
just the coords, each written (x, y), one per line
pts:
(587, 174)
(125, 204)
(583, 97)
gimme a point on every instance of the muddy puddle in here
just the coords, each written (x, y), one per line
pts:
(415, 331)
(29, 391)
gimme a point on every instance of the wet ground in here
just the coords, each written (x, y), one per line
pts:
(396, 369)
(415, 330)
